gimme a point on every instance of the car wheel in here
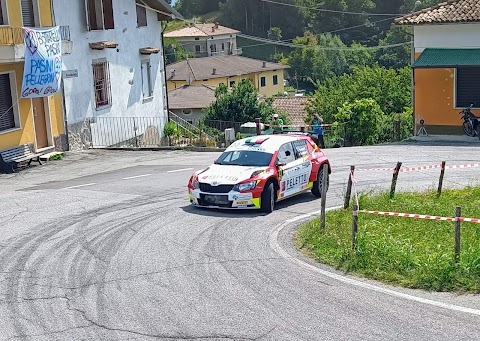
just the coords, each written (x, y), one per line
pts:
(268, 198)
(317, 185)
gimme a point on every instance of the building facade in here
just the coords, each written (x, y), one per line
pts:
(268, 78)
(117, 87)
(37, 122)
(446, 67)
(205, 40)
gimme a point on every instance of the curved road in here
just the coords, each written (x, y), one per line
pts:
(104, 246)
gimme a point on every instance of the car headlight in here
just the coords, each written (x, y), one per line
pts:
(246, 186)
(194, 182)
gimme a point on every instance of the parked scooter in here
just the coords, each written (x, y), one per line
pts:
(471, 123)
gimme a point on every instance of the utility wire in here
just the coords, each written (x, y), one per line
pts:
(331, 10)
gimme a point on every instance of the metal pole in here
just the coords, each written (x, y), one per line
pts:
(458, 214)
(324, 194)
(440, 181)
(258, 128)
(354, 226)
(348, 195)
(394, 179)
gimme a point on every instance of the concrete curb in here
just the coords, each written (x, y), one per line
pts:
(189, 149)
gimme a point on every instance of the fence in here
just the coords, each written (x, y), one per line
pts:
(135, 132)
(397, 170)
(222, 125)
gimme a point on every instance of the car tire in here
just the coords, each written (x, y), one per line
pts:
(267, 202)
(317, 185)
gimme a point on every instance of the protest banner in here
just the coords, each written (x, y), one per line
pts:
(43, 62)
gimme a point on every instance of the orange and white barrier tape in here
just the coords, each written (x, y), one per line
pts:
(421, 216)
(416, 169)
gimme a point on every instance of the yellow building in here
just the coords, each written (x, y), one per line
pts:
(37, 122)
(230, 69)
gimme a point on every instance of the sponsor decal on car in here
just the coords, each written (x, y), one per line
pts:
(296, 181)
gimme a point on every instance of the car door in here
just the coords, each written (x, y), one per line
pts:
(293, 174)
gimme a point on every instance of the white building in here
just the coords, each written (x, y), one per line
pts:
(205, 40)
(116, 90)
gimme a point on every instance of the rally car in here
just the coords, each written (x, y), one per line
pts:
(257, 172)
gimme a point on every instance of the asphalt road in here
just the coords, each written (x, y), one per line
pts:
(105, 246)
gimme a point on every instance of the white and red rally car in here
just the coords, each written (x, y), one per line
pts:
(257, 172)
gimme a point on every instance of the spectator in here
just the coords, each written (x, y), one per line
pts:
(317, 128)
(277, 124)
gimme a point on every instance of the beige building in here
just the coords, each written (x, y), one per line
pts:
(205, 40)
(190, 101)
(229, 70)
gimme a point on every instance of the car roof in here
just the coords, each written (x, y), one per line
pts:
(265, 143)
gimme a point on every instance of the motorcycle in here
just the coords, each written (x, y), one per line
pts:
(471, 123)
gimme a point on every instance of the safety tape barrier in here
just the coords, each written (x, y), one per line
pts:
(415, 169)
(421, 216)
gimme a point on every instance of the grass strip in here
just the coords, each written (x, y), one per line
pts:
(402, 251)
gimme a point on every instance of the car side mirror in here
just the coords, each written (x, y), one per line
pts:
(279, 163)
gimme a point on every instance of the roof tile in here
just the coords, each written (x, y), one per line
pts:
(191, 97)
(454, 11)
(295, 107)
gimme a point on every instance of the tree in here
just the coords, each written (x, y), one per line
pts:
(389, 88)
(174, 52)
(241, 104)
(275, 33)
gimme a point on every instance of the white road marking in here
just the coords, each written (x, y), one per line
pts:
(277, 248)
(137, 176)
(179, 170)
(78, 186)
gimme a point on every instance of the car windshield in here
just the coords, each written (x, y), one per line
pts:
(244, 158)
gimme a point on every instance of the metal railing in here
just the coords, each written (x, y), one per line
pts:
(222, 125)
(14, 35)
(188, 134)
(136, 132)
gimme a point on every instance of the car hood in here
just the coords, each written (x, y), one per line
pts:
(227, 175)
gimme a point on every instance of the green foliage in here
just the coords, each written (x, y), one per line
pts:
(241, 104)
(56, 156)
(391, 89)
(362, 117)
(408, 252)
(397, 57)
(275, 33)
(174, 52)
(190, 8)
(170, 129)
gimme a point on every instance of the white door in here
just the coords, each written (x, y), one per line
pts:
(295, 173)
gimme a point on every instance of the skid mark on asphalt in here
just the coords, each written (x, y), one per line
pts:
(277, 248)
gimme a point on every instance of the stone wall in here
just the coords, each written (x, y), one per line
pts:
(79, 135)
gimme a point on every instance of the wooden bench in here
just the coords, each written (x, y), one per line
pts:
(10, 158)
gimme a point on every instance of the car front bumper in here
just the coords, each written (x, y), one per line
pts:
(230, 200)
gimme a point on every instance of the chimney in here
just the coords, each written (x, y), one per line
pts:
(214, 71)
(213, 28)
(216, 24)
(172, 73)
(264, 64)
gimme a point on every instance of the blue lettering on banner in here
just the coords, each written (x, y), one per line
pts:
(43, 62)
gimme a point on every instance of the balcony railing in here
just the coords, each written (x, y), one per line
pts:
(14, 35)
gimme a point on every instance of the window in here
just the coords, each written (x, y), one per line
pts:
(286, 154)
(3, 12)
(244, 158)
(213, 48)
(197, 48)
(187, 111)
(28, 13)
(301, 148)
(263, 81)
(275, 79)
(147, 79)
(223, 46)
(8, 117)
(468, 87)
(232, 84)
(197, 38)
(101, 83)
(99, 14)
(141, 14)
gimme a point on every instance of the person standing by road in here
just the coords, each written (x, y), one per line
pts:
(317, 128)
(277, 124)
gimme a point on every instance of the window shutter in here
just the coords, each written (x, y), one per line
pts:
(2, 21)
(7, 116)
(141, 15)
(28, 15)
(468, 87)
(108, 14)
